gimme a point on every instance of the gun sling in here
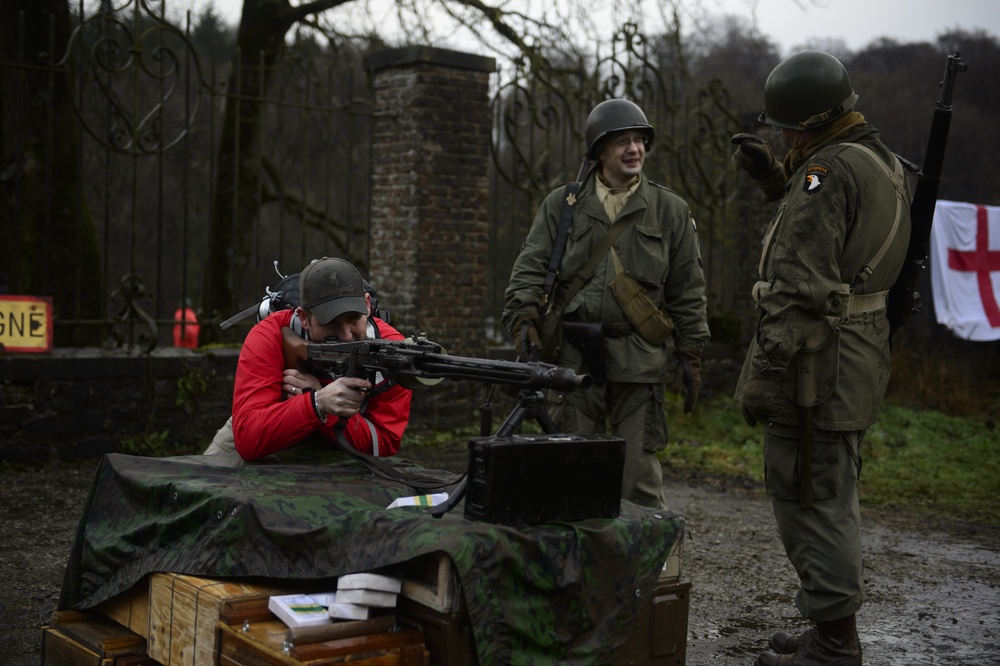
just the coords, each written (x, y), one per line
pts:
(547, 303)
(380, 467)
(562, 233)
(583, 335)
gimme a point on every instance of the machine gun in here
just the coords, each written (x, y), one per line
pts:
(417, 363)
(903, 298)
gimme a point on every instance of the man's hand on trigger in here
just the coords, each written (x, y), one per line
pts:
(343, 397)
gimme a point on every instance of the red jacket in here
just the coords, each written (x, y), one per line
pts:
(266, 421)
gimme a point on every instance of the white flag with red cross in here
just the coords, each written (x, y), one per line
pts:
(965, 269)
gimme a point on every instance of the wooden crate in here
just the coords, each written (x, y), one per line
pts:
(660, 634)
(432, 602)
(74, 638)
(184, 613)
(264, 644)
(448, 635)
(432, 581)
(130, 608)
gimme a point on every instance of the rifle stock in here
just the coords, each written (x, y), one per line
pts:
(295, 350)
(903, 298)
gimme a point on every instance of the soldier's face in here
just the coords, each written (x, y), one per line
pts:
(348, 327)
(796, 138)
(622, 157)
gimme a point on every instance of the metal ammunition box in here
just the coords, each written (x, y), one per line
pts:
(529, 479)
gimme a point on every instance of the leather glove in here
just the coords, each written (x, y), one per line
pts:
(527, 344)
(687, 375)
(753, 155)
(759, 398)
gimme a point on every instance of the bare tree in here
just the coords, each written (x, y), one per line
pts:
(261, 43)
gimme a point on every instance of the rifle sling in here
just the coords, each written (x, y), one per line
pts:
(562, 233)
(383, 469)
(587, 271)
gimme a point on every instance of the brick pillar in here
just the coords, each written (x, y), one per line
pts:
(429, 231)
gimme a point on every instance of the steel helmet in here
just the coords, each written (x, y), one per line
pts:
(807, 90)
(614, 115)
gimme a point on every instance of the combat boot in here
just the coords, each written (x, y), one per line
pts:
(785, 643)
(832, 644)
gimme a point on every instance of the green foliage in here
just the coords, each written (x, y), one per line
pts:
(931, 463)
(151, 444)
(417, 438)
(919, 461)
(191, 385)
(714, 439)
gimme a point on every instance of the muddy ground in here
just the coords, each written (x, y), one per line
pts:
(934, 588)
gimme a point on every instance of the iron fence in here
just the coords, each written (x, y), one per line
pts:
(149, 103)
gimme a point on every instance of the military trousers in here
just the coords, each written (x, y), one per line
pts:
(823, 542)
(634, 412)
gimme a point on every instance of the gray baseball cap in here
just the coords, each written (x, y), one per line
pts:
(330, 287)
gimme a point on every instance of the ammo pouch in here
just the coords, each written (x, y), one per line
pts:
(589, 339)
(649, 321)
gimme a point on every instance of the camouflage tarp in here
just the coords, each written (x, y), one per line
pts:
(544, 594)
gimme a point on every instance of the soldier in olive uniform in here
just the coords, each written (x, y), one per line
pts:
(818, 364)
(658, 246)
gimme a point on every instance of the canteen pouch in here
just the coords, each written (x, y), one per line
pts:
(651, 323)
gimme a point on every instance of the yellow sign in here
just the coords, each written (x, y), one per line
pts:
(26, 323)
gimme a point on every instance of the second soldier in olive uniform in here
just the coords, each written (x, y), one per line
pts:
(818, 364)
(658, 246)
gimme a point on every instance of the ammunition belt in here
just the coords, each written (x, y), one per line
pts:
(856, 304)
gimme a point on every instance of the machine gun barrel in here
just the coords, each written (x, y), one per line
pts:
(532, 375)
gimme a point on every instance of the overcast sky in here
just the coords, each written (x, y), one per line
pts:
(789, 23)
(859, 22)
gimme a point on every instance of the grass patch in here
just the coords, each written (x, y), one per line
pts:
(926, 461)
(919, 461)
(713, 439)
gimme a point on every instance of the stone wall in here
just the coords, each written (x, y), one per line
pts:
(83, 403)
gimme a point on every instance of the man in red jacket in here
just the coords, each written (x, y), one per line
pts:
(275, 407)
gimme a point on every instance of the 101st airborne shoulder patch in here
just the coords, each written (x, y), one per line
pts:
(815, 175)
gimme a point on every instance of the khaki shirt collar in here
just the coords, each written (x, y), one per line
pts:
(615, 198)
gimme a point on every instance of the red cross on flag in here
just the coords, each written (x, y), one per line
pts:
(965, 269)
